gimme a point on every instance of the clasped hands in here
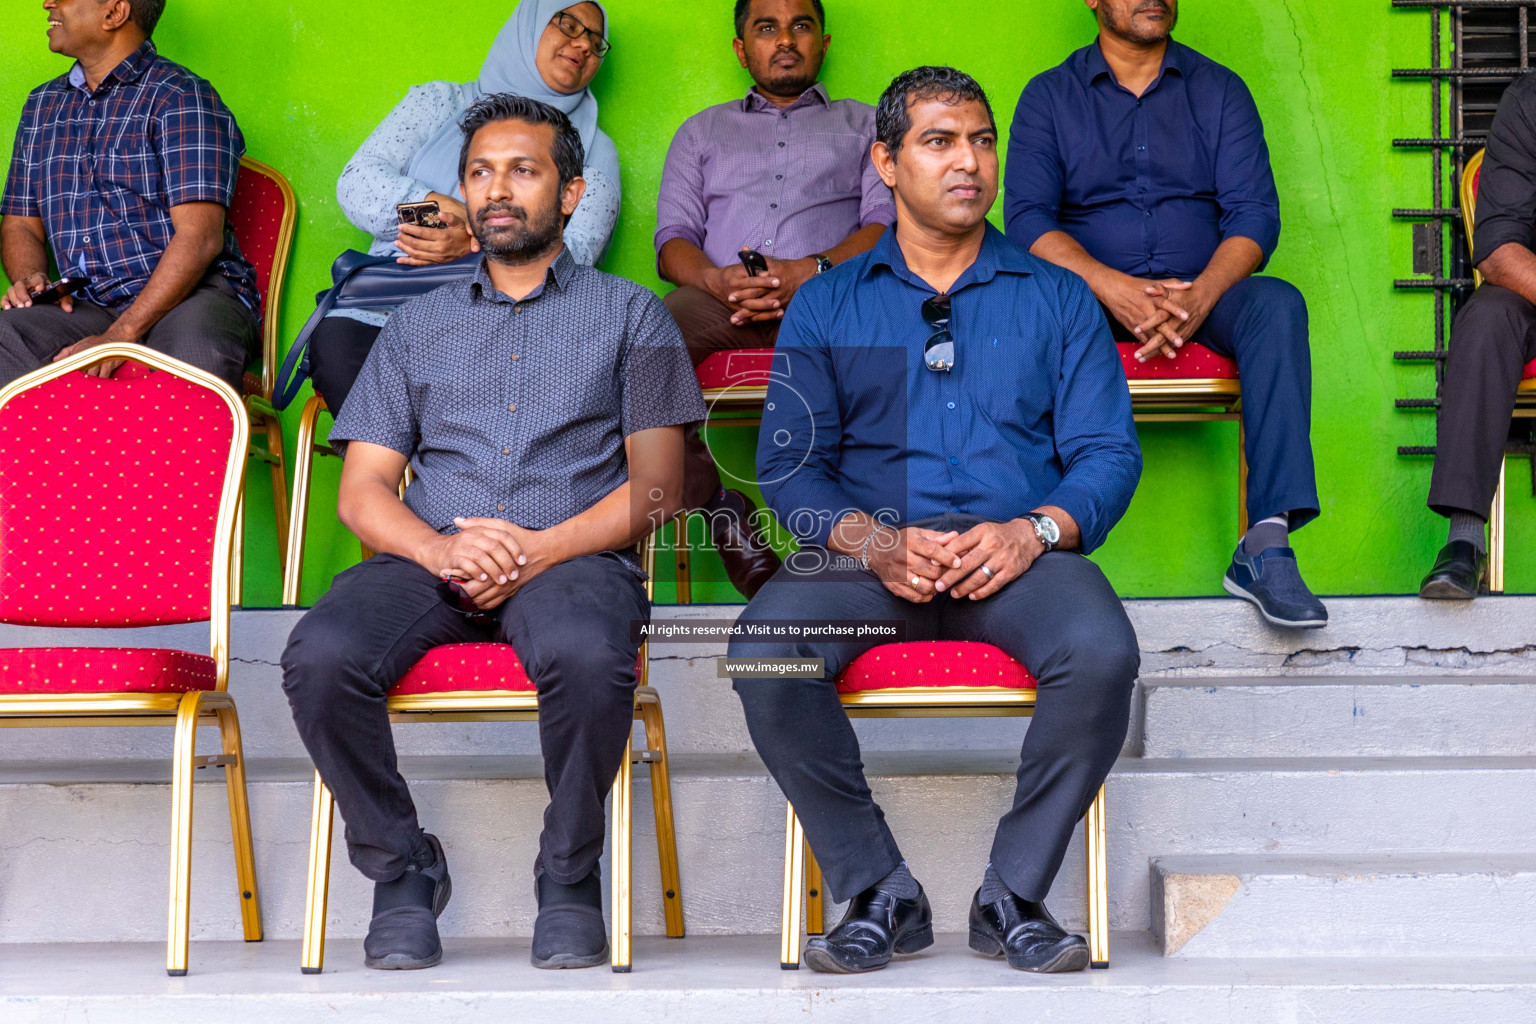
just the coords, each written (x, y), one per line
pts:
(760, 299)
(952, 562)
(1163, 315)
(490, 558)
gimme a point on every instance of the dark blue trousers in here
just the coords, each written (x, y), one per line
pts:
(1061, 619)
(1261, 324)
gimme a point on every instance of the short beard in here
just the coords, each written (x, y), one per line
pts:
(1125, 31)
(522, 243)
(787, 83)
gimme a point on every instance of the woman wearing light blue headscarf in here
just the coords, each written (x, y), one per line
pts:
(549, 50)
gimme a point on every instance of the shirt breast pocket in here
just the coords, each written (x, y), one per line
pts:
(833, 164)
(131, 173)
(1014, 391)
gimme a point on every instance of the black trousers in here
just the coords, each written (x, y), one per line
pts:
(211, 329)
(337, 351)
(570, 627)
(1261, 324)
(1061, 619)
(1492, 339)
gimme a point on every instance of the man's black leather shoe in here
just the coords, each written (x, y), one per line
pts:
(749, 561)
(403, 933)
(1027, 935)
(876, 927)
(1457, 574)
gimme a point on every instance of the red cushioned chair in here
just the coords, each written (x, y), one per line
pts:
(933, 679)
(1525, 398)
(262, 216)
(735, 386)
(117, 510)
(487, 683)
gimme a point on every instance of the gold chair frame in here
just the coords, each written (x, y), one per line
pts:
(303, 469)
(802, 873)
(522, 706)
(183, 710)
(259, 408)
(1197, 400)
(1525, 397)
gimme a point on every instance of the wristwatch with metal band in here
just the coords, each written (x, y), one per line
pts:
(822, 263)
(1046, 529)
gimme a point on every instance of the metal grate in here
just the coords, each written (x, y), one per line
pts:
(1490, 47)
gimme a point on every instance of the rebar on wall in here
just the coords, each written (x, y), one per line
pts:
(1490, 48)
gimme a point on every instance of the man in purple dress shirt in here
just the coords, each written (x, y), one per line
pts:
(787, 172)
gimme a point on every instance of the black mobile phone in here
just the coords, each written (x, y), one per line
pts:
(426, 215)
(754, 262)
(53, 293)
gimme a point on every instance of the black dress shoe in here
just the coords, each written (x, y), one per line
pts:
(569, 931)
(1027, 935)
(876, 927)
(749, 561)
(1457, 574)
(403, 933)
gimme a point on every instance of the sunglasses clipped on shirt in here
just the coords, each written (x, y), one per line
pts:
(573, 28)
(939, 350)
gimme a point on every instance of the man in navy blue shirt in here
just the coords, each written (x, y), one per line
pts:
(1141, 165)
(947, 432)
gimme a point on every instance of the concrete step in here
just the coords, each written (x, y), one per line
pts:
(1384, 716)
(1427, 905)
(737, 979)
(1188, 647)
(83, 846)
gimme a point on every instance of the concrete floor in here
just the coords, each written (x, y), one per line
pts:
(738, 980)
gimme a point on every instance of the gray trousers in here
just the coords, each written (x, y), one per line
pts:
(1061, 619)
(211, 329)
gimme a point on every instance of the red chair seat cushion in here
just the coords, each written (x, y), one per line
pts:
(463, 667)
(1530, 370)
(1193, 362)
(91, 670)
(933, 663)
(745, 367)
(456, 668)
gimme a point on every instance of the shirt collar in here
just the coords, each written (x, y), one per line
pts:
(997, 256)
(132, 66)
(558, 275)
(1094, 65)
(815, 94)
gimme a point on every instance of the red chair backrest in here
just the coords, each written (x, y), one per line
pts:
(256, 216)
(109, 500)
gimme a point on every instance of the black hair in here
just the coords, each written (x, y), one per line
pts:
(744, 7)
(893, 117)
(569, 154)
(146, 14)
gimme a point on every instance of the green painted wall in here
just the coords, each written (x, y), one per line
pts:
(308, 81)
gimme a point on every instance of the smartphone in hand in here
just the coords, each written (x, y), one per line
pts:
(51, 295)
(425, 215)
(754, 261)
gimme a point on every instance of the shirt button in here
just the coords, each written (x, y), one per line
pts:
(781, 145)
(768, 243)
(954, 461)
(501, 508)
(778, 177)
(1141, 149)
(951, 405)
(516, 357)
(506, 451)
(511, 408)
(517, 307)
(773, 206)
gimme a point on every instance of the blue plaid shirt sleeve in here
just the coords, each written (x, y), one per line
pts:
(20, 188)
(199, 146)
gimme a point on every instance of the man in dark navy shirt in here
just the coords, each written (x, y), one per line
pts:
(1493, 345)
(948, 431)
(1141, 165)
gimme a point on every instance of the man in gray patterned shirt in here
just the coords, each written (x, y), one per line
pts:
(542, 407)
(785, 171)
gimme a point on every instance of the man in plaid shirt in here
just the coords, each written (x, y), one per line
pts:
(124, 169)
